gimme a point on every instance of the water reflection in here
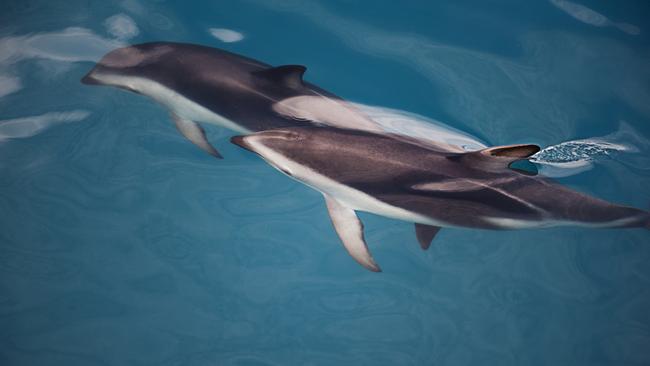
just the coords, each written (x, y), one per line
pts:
(226, 35)
(9, 84)
(591, 17)
(69, 45)
(121, 26)
(30, 126)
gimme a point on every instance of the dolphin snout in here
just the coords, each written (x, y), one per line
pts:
(240, 141)
(89, 78)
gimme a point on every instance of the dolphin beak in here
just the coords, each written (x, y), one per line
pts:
(89, 79)
(241, 142)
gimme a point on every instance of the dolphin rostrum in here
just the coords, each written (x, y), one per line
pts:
(406, 180)
(205, 84)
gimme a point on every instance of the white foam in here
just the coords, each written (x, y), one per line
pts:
(576, 156)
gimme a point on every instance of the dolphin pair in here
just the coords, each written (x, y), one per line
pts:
(205, 84)
(355, 163)
(391, 176)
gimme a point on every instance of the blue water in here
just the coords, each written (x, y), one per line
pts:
(123, 244)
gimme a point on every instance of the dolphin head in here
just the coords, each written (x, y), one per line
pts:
(302, 151)
(284, 148)
(119, 66)
(277, 139)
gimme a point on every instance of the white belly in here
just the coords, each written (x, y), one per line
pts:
(174, 101)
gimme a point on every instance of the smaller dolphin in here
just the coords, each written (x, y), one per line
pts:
(390, 176)
(204, 84)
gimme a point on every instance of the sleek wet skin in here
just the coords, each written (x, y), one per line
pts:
(397, 178)
(204, 84)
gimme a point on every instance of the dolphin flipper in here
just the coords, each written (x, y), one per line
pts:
(195, 133)
(425, 234)
(350, 230)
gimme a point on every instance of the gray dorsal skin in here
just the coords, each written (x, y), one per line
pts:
(204, 84)
(392, 177)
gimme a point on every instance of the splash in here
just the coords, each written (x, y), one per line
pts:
(572, 157)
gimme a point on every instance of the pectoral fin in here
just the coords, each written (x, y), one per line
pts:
(350, 230)
(195, 133)
(425, 234)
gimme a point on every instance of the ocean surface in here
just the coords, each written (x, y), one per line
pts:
(123, 244)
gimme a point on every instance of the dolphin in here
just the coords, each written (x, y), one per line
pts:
(204, 84)
(406, 180)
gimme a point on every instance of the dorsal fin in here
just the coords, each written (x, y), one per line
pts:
(288, 75)
(513, 152)
(425, 234)
(499, 157)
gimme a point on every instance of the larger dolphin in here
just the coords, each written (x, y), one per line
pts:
(204, 84)
(406, 180)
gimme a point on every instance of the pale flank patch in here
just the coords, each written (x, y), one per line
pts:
(328, 111)
(342, 114)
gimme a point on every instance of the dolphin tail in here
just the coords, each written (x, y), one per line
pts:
(195, 133)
